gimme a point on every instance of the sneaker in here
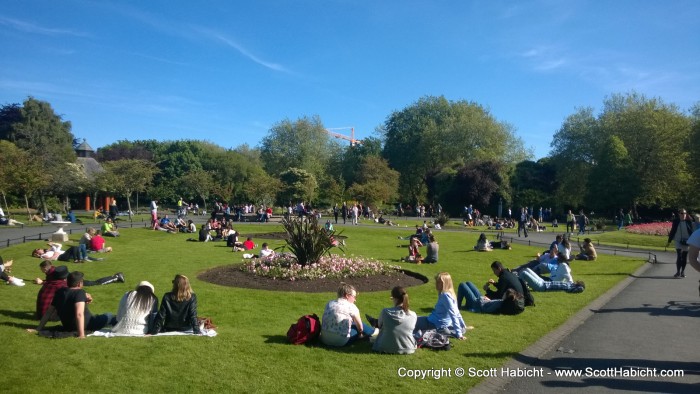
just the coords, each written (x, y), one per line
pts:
(373, 321)
(120, 277)
(677, 275)
(682, 275)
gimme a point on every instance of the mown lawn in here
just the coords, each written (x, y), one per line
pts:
(250, 354)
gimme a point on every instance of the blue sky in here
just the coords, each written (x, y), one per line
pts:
(226, 71)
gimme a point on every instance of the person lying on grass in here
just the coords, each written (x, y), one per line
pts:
(178, 309)
(341, 324)
(537, 283)
(512, 302)
(5, 274)
(445, 317)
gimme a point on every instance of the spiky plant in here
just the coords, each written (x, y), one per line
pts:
(307, 240)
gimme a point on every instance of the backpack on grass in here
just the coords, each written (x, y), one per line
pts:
(431, 339)
(305, 330)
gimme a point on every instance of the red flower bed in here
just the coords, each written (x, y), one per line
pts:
(660, 228)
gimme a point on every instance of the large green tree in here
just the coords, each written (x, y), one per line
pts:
(128, 176)
(377, 184)
(435, 133)
(302, 144)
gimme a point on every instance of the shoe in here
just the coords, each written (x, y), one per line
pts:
(373, 321)
(682, 275)
(677, 275)
(98, 259)
(120, 277)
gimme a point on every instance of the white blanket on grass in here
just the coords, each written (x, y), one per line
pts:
(107, 333)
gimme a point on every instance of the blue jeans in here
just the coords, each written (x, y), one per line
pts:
(367, 330)
(475, 302)
(98, 322)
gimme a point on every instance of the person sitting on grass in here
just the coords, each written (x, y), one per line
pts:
(136, 309)
(266, 252)
(537, 283)
(71, 305)
(97, 244)
(512, 302)
(433, 249)
(248, 244)
(178, 309)
(395, 326)
(191, 227)
(445, 317)
(109, 229)
(587, 250)
(56, 279)
(341, 323)
(506, 280)
(483, 244)
(414, 251)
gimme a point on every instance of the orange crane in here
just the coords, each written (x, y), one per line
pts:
(352, 139)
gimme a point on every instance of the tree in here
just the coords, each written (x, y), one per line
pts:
(36, 129)
(127, 176)
(475, 183)
(297, 185)
(303, 144)
(573, 155)
(435, 133)
(613, 184)
(376, 182)
(20, 173)
(199, 183)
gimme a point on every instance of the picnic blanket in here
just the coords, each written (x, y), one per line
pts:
(107, 333)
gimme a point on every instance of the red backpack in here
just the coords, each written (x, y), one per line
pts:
(306, 329)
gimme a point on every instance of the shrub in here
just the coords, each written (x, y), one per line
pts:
(442, 219)
(307, 240)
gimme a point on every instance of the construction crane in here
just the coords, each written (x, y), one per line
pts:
(352, 139)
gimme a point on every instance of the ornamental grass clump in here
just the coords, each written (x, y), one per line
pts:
(307, 240)
(286, 267)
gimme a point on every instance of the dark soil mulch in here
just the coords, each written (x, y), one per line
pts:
(231, 275)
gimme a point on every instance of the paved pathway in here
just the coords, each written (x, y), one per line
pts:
(622, 341)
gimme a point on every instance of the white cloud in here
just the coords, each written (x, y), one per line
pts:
(28, 27)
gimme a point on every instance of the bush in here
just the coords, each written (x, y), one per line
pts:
(599, 224)
(442, 219)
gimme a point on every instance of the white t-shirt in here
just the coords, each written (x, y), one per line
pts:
(337, 322)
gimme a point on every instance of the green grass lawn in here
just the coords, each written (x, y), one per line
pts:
(250, 353)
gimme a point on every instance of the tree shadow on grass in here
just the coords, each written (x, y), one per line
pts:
(672, 308)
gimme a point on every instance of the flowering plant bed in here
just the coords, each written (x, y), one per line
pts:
(328, 267)
(660, 228)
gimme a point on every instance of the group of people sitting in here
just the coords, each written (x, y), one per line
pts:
(422, 237)
(397, 327)
(62, 297)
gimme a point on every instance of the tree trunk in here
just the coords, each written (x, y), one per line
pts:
(128, 206)
(6, 207)
(42, 201)
(26, 203)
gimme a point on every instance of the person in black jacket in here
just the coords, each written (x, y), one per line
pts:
(506, 280)
(681, 229)
(178, 309)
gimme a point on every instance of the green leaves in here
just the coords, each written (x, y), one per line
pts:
(307, 240)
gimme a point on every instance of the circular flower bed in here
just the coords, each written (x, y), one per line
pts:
(328, 267)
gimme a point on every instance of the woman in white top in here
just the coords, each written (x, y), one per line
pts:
(135, 310)
(341, 323)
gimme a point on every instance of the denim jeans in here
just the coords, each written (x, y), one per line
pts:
(475, 302)
(98, 322)
(367, 330)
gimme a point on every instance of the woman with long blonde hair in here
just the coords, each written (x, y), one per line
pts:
(178, 309)
(445, 317)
